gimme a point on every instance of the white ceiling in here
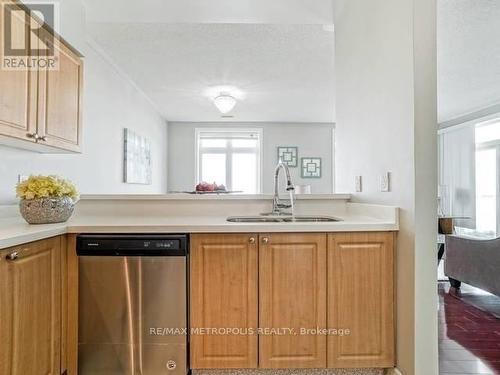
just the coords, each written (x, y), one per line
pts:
(285, 71)
(468, 56)
(210, 11)
(278, 53)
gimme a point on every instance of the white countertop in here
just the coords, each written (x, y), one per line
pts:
(101, 217)
(209, 224)
(15, 231)
(215, 196)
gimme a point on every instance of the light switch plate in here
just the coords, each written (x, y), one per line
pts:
(359, 184)
(385, 182)
(21, 178)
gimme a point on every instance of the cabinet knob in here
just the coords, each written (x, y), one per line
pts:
(171, 365)
(251, 240)
(37, 137)
(265, 240)
(12, 256)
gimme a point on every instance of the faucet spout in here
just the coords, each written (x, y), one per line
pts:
(289, 183)
(278, 204)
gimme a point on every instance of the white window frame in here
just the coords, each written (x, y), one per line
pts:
(493, 145)
(228, 152)
(334, 188)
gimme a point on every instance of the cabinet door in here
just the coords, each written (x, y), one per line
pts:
(30, 307)
(18, 86)
(292, 295)
(360, 299)
(223, 294)
(60, 99)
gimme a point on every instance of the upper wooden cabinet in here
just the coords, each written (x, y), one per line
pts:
(60, 98)
(30, 307)
(223, 294)
(361, 299)
(18, 101)
(292, 295)
(41, 108)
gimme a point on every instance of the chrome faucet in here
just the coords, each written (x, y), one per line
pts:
(280, 204)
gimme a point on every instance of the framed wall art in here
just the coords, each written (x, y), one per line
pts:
(137, 159)
(288, 154)
(310, 167)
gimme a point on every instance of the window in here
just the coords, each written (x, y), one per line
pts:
(470, 176)
(487, 136)
(230, 157)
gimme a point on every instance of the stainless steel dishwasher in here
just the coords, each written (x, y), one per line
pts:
(132, 304)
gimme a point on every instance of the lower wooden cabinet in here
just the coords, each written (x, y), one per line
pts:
(223, 294)
(30, 308)
(247, 291)
(292, 300)
(360, 299)
(335, 291)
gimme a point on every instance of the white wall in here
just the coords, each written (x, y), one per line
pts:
(386, 122)
(311, 139)
(111, 103)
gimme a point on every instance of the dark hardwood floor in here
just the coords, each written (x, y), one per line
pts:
(469, 331)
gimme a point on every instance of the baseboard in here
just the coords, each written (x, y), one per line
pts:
(359, 371)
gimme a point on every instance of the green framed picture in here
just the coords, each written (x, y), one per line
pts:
(310, 167)
(288, 155)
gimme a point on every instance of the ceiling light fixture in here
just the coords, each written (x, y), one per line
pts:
(224, 102)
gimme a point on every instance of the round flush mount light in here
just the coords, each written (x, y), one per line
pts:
(224, 97)
(224, 102)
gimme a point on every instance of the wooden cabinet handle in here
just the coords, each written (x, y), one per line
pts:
(251, 240)
(37, 137)
(17, 254)
(12, 256)
(265, 240)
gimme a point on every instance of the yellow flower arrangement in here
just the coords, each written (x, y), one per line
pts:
(46, 187)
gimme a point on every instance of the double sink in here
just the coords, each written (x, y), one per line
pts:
(283, 219)
(278, 215)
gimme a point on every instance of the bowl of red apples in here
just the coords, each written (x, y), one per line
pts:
(206, 187)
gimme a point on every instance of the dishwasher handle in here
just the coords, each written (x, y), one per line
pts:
(132, 253)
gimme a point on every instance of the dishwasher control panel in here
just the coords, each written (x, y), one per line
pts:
(131, 245)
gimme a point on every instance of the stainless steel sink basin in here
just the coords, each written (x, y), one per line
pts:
(319, 219)
(254, 219)
(283, 219)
